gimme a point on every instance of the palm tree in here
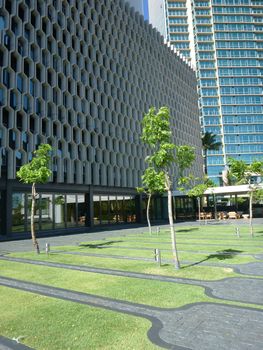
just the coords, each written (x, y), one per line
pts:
(209, 144)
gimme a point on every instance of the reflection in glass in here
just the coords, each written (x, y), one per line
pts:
(158, 209)
(18, 212)
(96, 208)
(46, 211)
(104, 209)
(71, 208)
(81, 210)
(59, 211)
(113, 215)
(129, 204)
(144, 208)
(120, 208)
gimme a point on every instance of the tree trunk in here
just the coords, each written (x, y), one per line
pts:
(251, 213)
(148, 213)
(205, 162)
(33, 234)
(170, 214)
(199, 208)
(215, 209)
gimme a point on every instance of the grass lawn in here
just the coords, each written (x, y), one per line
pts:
(49, 323)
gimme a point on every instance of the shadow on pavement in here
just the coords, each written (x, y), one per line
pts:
(220, 255)
(98, 245)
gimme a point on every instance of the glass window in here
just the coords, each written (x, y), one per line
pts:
(120, 208)
(2, 22)
(20, 85)
(13, 99)
(96, 209)
(81, 210)
(2, 96)
(71, 210)
(112, 209)
(18, 212)
(26, 103)
(47, 217)
(59, 209)
(6, 78)
(129, 208)
(104, 209)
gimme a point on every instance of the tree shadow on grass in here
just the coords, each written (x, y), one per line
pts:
(98, 245)
(188, 229)
(220, 255)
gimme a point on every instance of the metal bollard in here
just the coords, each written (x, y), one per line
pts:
(157, 256)
(47, 248)
(237, 232)
(158, 230)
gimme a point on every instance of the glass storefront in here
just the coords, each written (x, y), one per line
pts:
(185, 209)
(47, 213)
(113, 209)
(71, 210)
(158, 208)
(60, 209)
(18, 212)
(52, 211)
(81, 210)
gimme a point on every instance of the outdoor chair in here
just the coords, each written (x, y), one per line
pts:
(233, 215)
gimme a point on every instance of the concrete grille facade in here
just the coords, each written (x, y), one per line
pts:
(80, 75)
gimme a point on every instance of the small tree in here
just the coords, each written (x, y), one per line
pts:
(153, 182)
(197, 192)
(157, 134)
(195, 187)
(35, 172)
(185, 156)
(242, 173)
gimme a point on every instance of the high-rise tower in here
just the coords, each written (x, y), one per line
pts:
(224, 40)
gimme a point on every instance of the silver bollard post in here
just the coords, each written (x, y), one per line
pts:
(47, 248)
(237, 232)
(158, 230)
(157, 256)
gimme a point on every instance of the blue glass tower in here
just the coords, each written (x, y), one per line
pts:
(178, 26)
(227, 39)
(229, 51)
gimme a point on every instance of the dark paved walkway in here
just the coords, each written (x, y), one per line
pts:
(113, 231)
(191, 327)
(10, 344)
(245, 290)
(252, 268)
(199, 326)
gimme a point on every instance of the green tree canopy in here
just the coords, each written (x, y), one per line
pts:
(37, 170)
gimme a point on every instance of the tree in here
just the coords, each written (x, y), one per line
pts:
(185, 156)
(209, 143)
(157, 134)
(198, 191)
(153, 182)
(195, 187)
(241, 173)
(35, 172)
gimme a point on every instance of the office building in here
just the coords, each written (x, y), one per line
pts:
(79, 75)
(228, 39)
